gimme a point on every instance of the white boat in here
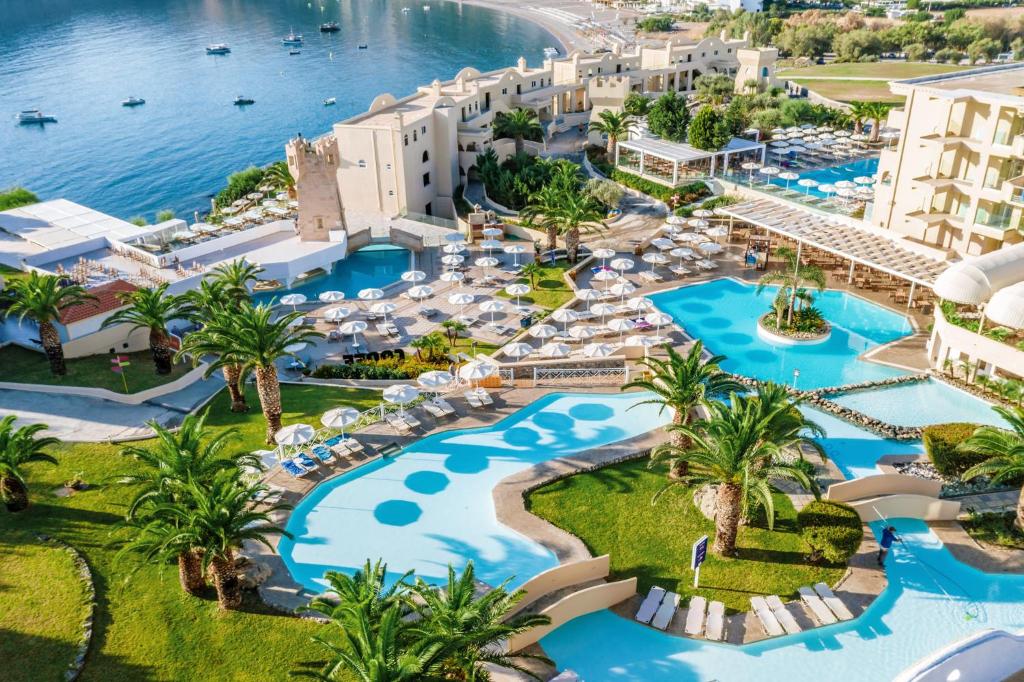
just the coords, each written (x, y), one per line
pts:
(133, 102)
(426, 8)
(406, 10)
(31, 116)
(330, 101)
(551, 52)
(292, 38)
(218, 48)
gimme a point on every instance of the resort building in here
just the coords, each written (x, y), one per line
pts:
(955, 179)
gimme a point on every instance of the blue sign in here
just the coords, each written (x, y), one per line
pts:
(700, 552)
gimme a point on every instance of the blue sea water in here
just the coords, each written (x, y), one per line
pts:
(78, 59)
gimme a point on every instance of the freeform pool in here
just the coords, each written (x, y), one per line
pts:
(372, 266)
(431, 506)
(920, 404)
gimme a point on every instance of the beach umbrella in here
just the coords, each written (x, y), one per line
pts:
(827, 189)
(778, 131)
(383, 309)
(517, 350)
(844, 192)
(603, 254)
(515, 250)
(542, 331)
(421, 291)
(621, 325)
(788, 176)
(697, 223)
(229, 210)
(865, 191)
(565, 316)
(354, 327)
(588, 295)
(203, 228)
(434, 380)
(339, 418)
(371, 294)
(294, 300)
(622, 289)
(597, 350)
(484, 263)
(658, 318)
(640, 303)
(492, 232)
(295, 347)
(517, 290)
(655, 259)
(751, 166)
(605, 276)
(690, 237)
(622, 264)
(710, 247)
(844, 184)
(461, 299)
(603, 309)
(414, 276)
(475, 370)
(807, 183)
(401, 395)
(453, 249)
(452, 276)
(490, 245)
(864, 180)
(662, 243)
(233, 222)
(492, 306)
(716, 232)
(645, 342)
(553, 350)
(582, 331)
(843, 133)
(454, 238)
(769, 171)
(337, 314)
(294, 434)
(781, 143)
(675, 220)
(331, 296)
(703, 213)
(452, 260)
(681, 252)
(671, 230)
(793, 129)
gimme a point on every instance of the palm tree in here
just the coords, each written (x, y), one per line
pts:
(432, 344)
(18, 447)
(475, 626)
(531, 271)
(542, 203)
(452, 329)
(251, 338)
(236, 277)
(793, 279)
(681, 384)
(278, 174)
(577, 211)
(858, 114)
(150, 309)
(156, 541)
(1005, 451)
(875, 112)
(365, 591)
(517, 124)
(616, 125)
(209, 299)
(42, 298)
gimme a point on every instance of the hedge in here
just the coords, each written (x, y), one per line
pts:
(688, 193)
(940, 442)
(381, 370)
(831, 529)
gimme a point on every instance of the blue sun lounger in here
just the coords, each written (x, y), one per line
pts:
(306, 461)
(294, 469)
(323, 453)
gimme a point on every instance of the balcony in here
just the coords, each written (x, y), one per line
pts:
(949, 141)
(1013, 191)
(936, 217)
(1017, 146)
(942, 183)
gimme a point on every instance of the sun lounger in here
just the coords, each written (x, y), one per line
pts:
(305, 460)
(833, 602)
(716, 622)
(650, 604)
(322, 453)
(294, 469)
(412, 421)
(650, 276)
(680, 271)
(786, 619)
(397, 423)
(666, 611)
(484, 396)
(473, 399)
(816, 606)
(769, 623)
(434, 410)
(695, 616)
(468, 320)
(445, 406)
(352, 445)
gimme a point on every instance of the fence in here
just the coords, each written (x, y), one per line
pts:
(586, 376)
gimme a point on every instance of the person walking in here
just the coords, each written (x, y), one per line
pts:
(888, 537)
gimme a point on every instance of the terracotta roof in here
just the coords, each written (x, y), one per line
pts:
(106, 301)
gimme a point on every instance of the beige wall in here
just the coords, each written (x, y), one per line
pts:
(907, 506)
(882, 484)
(562, 576)
(949, 341)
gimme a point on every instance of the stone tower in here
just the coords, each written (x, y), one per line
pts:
(314, 165)
(757, 64)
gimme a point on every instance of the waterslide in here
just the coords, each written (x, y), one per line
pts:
(986, 655)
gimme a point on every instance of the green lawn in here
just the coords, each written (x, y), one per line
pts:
(147, 629)
(31, 367)
(886, 70)
(610, 510)
(466, 344)
(550, 290)
(995, 529)
(8, 273)
(852, 91)
(42, 606)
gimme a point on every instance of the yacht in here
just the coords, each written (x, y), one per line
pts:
(426, 8)
(406, 10)
(362, 46)
(330, 101)
(218, 48)
(330, 27)
(550, 52)
(242, 100)
(133, 102)
(31, 116)
(292, 38)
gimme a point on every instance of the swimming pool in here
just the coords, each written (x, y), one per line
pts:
(930, 402)
(371, 266)
(723, 313)
(932, 600)
(431, 505)
(823, 176)
(855, 450)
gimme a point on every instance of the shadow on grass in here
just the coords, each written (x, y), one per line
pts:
(55, 655)
(772, 556)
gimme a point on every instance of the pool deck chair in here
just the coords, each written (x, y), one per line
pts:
(666, 611)
(786, 619)
(716, 622)
(833, 602)
(302, 459)
(484, 396)
(397, 423)
(769, 623)
(695, 616)
(650, 604)
(293, 469)
(816, 606)
(434, 410)
(322, 453)
(410, 420)
(352, 445)
(473, 399)
(444, 405)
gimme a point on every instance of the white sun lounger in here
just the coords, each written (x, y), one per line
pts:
(410, 420)
(650, 604)
(665, 612)
(484, 396)
(434, 410)
(445, 406)
(473, 399)
(716, 622)
(769, 623)
(833, 602)
(397, 423)
(817, 606)
(786, 619)
(695, 616)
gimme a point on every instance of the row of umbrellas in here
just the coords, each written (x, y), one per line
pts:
(556, 349)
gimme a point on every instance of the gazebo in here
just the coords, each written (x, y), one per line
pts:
(669, 162)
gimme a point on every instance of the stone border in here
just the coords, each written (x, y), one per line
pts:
(85, 578)
(804, 338)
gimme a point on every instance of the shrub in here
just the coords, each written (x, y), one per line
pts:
(239, 184)
(686, 193)
(831, 529)
(655, 24)
(387, 369)
(598, 157)
(940, 441)
(16, 197)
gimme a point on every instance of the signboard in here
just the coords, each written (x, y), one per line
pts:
(117, 365)
(697, 556)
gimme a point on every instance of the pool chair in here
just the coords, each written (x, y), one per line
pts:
(352, 445)
(715, 629)
(769, 623)
(473, 399)
(322, 453)
(410, 420)
(434, 411)
(666, 611)
(680, 271)
(816, 606)
(397, 423)
(695, 616)
(650, 604)
(305, 460)
(445, 406)
(651, 276)
(785, 618)
(293, 469)
(484, 396)
(833, 602)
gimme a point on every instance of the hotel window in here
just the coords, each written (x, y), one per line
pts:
(689, 57)
(406, 140)
(319, 222)
(330, 159)
(426, 179)
(362, 163)
(426, 156)
(533, 84)
(703, 54)
(414, 136)
(504, 91)
(391, 192)
(423, 129)
(716, 53)
(729, 51)
(599, 69)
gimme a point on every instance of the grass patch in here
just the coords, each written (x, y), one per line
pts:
(550, 291)
(147, 629)
(31, 367)
(42, 606)
(994, 528)
(610, 510)
(9, 274)
(852, 91)
(467, 345)
(883, 70)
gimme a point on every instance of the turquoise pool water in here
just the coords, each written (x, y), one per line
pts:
(372, 266)
(856, 450)
(431, 505)
(921, 404)
(932, 600)
(724, 313)
(846, 171)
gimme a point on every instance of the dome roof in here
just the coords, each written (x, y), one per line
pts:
(974, 281)
(1007, 307)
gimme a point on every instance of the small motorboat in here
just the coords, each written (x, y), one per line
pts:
(330, 27)
(550, 52)
(426, 8)
(330, 102)
(242, 100)
(406, 10)
(34, 116)
(218, 48)
(133, 102)
(294, 51)
(362, 46)
(292, 38)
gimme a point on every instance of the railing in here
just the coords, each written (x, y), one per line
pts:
(507, 374)
(581, 375)
(431, 220)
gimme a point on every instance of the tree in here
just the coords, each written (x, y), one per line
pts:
(858, 114)
(279, 174)
(681, 384)
(983, 48)
(615, 125)
(636, 104)
(792, 280)
(150, 309)
(714, 88)
(237, 278)
(706, 131)
(42, 299)
(808, 40)
(453, 328)
(855, 46)
(18, 447)
(16, 197)
(1005, 451)
(608, 192)
(916, 52)
(668, 117)
(531, 271)
(575, 212)
(209, 299)
(432, 344)
(519, 124)
(876, 112)
(250, 337)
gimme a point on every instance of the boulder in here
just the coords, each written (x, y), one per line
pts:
(704, 500)
(252, 574)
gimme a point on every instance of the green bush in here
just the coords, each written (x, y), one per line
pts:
(657, 24)
(687, 193)
(16, 197)
(239, 184)
(940, 441)
(831, 529)
(387, 369)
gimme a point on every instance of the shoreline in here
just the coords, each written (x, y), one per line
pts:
(568, 39)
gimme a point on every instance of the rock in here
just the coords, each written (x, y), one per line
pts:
(704, 500)
(253, 574)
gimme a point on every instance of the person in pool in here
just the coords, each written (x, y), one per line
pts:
(888, 537)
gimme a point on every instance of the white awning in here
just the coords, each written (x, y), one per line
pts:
(975, 280)
(1007, 307)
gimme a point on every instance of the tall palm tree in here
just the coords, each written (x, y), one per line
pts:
(210, 298)
(150, 309)
(278, 174)
(616, 125)
(236, 277)
(858, 114)
(577, 211)
(41, 298)
(531, 271)
(518, 124)
(452, 329)
(542, 203)
(250, 337)
(875, 112)
(794, 278)
(367, 591)
(475, 626)
(430, 345)
(1005, 451)
(154, 539)
(681, 384)
(18, 447)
